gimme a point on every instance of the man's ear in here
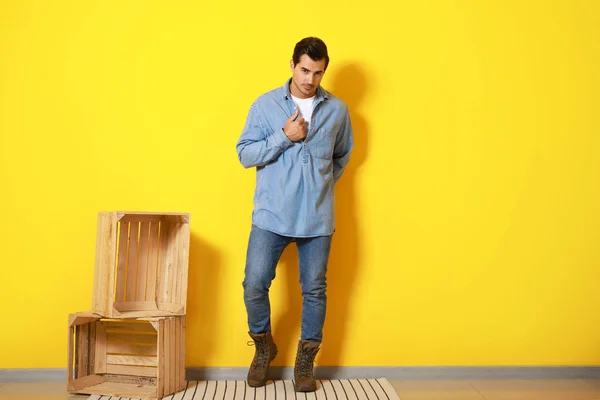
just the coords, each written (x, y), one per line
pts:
(292, 65)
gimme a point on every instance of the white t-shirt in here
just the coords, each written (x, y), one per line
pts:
(306, 108)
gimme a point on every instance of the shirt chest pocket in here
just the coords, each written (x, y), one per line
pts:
(322, 143)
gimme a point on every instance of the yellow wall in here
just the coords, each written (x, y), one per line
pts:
(468, 221)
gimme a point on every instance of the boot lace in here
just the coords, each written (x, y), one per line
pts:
(305, 363)
(261, 357)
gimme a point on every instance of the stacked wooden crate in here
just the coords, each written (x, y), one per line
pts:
(132, 342)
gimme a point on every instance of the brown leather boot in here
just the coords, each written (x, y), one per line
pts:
(264, 354)
(303, 370)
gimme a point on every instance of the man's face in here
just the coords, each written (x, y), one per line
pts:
(307, 75)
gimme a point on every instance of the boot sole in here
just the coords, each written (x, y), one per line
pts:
(305, 389)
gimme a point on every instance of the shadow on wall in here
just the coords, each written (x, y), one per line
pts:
(203, 284)
(350, 84)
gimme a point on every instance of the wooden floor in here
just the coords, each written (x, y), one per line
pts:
(571, 389)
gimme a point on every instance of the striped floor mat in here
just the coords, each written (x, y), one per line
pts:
(335, 389)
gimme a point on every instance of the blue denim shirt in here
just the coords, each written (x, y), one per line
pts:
(295, 181)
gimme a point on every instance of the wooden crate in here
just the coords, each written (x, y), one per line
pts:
(138, 358)
(141, 264)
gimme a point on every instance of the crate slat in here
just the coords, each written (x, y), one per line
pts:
(106, 248)
(141, 281)
(121, 279)
(141, 361)
(100, 362)
(80, 383)
(174, 282)
(182, 342)
(141, 218)
(171, 308)
(82, 318)
(160, 389)
(123, 390)
(131, 349)
(132, 263)
(176, 348)
(153, 250)
(70, 352)
(137, 338)
(82, 350)
(183, 255)
(91, 350)
(130, 326)
(131, 370)
(165, 262)
(126, 306)
(138, 380)
(168, 356)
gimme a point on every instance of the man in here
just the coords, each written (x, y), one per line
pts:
(299, 138)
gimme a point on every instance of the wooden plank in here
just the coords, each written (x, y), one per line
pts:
(104, 264)
(153, 250)
(130, 326)
(82, 318)
(171, 361)
(70, 354)
(131, 349)
(160, 389)
(168, 356)
(100, 361)
(111, 270)
(175, 346)
(141, 361)
(132, 263)
(76, 352)
(122, 262)
(131, 370)
(140, 292)
(142, 314)
(137, 380)
(164, 331)
(92, 349)
(174, 248)
(138, 216)
(82, 350)
(137, 338)
(87, 381)
(165, 265)
(171, 308)
(182, 322)
(183, 258)
(127, 306)
(177, 218)
(121, 390)
(135, 218)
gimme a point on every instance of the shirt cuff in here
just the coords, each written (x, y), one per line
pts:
(281, 139)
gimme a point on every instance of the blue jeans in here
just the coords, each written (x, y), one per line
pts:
(264, 251)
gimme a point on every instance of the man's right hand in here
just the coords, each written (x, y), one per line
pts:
(294, 129)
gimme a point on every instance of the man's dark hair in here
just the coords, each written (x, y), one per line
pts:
(313, 47)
